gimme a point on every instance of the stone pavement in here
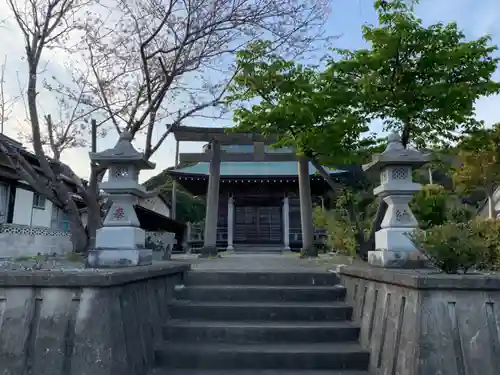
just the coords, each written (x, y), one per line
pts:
(257, 262)
(248, 262)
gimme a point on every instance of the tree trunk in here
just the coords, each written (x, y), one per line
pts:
(362, 248)
(306, 215)
(79, 236)
(92, 201)
(369, 244)
(405, 135)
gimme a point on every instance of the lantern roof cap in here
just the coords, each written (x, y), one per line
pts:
(395, 154)
(123, 153)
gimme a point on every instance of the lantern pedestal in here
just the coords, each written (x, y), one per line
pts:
(394, 249)
(120, 237)
(111, 258)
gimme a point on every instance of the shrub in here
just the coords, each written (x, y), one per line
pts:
(340, 235)
(429, 205)
(460, 213)
(488, 231)
(452, 247)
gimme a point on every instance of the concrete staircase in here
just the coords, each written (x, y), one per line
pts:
(230, 323)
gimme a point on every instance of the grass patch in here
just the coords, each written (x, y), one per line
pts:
(74, 257)
(26, 258)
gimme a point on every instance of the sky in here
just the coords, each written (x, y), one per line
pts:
(475, 17)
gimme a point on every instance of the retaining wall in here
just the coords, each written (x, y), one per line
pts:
(21, 240)
(87, 322)
(425, 323)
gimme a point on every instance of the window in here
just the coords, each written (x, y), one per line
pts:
(59, 220)
(38, 201)
(64, 222)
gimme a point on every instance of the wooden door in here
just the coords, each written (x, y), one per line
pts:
(257, 224)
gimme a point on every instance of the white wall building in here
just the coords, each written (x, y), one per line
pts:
(29, 223)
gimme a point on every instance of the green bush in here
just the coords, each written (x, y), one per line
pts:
(340, 235)
(488, 231)
(434, 205)
(429, 206)
(453, 247)
(460, 213)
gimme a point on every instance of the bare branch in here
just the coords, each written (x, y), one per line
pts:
(155, 63)
(6, 103)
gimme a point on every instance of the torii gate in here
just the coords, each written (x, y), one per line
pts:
(216, 137)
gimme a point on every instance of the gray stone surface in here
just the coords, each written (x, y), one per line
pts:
(86, 277)
(260, 320)
(426, 278)
(88, 322)
(265, 262)
(112, 258)
(425, 323)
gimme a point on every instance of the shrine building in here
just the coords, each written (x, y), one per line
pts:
(253, 189)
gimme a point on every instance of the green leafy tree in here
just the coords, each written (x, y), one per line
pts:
(429, 205)
(188, 207)
(479, 168)
(305, 108)
(422, 81)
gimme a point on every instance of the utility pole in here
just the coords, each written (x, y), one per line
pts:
(93, 145)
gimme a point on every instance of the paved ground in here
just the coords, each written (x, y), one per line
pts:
(264, 262)
(52, 264)
(287, 262)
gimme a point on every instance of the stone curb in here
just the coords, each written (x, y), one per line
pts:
(423, 279)
(89, 277)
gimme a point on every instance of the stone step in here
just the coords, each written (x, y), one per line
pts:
(284, 311)
(258, 249)
(162, 371)
(261, 293)
(272, 356)
(260, 278)
(259, 332)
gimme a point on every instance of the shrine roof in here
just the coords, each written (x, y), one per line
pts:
(250, 169)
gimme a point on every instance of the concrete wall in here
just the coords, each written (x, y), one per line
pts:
(26, 214)
(425, 323)
(21, 240)
(86, 322)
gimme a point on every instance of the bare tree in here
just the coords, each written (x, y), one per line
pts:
(47, 24)
(6, 102)
(155, 63)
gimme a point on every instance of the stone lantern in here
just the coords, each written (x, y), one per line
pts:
(395, 165)
(120, 242)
